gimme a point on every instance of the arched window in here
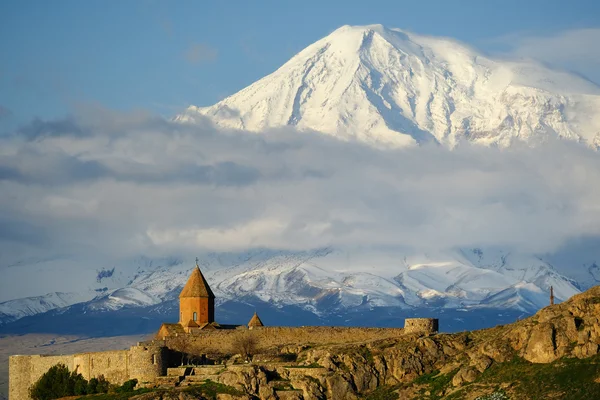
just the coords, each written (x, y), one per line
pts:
(195, 316)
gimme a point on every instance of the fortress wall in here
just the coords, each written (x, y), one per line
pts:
(24, 371)
(114, 365)
(222, 341)
(148, 362)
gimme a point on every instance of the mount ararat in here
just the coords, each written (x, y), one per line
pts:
(388, 87)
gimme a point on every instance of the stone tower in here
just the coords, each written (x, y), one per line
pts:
(196, 302)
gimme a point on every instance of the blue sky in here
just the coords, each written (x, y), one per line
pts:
(162, 56)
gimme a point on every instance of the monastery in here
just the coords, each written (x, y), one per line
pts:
(197, 310)
(157, 362)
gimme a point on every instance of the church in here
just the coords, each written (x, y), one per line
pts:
(197, 310)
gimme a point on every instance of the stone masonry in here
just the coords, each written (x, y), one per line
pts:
(141, 362)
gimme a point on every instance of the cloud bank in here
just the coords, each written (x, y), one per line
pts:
(110, 184)
(576, 50)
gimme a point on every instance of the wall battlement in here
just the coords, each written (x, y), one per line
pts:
(223, 341)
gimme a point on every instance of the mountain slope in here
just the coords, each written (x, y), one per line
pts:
(390, 87)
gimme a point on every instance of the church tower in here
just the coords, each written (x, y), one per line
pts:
(196, 302)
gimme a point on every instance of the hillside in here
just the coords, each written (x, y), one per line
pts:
(553, 354)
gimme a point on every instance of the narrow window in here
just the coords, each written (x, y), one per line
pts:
(195, 317)
(108, 363)
(153, 358)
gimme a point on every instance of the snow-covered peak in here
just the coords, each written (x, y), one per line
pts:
(388, 87)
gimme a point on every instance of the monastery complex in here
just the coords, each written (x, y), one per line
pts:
(157, 362)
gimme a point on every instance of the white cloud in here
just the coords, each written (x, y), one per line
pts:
(576, 50)
(143, 185)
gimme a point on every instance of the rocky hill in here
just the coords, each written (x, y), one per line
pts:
(553, 354)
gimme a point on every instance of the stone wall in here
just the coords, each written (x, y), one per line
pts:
(146, 361)
(421, 325)
(114, 365)
(23, 371)
(143, 363)
(223, 341)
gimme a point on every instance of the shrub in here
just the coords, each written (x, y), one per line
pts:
(58, 382)
(128, 386)
(103, 385)
(92, 385)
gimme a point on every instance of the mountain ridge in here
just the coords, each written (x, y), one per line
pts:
(327, 282)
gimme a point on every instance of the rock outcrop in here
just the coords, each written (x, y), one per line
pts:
(350, 371)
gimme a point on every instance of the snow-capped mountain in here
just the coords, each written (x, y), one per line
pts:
(14, 309)
(389, 87)
(329, 282)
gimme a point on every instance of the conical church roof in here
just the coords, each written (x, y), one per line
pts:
(255, 321)
(196, 286)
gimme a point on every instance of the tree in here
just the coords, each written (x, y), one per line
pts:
(92, 386)
(245, 345)
(80, 385)
(58, 382)
(182, 344)
(103, 385)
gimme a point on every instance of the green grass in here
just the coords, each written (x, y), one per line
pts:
(383, 393)
(366, 354)
(210, 390)
(435, 383)
(568, 378)
(116, 396)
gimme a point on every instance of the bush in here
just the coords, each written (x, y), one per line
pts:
(103, 385)
(80, 385)
(58, 382)
(92, 385)
(127, 386)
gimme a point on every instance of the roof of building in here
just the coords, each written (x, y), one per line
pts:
(191, 324)
(196, 286)
(255, 321)
(170, 330)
